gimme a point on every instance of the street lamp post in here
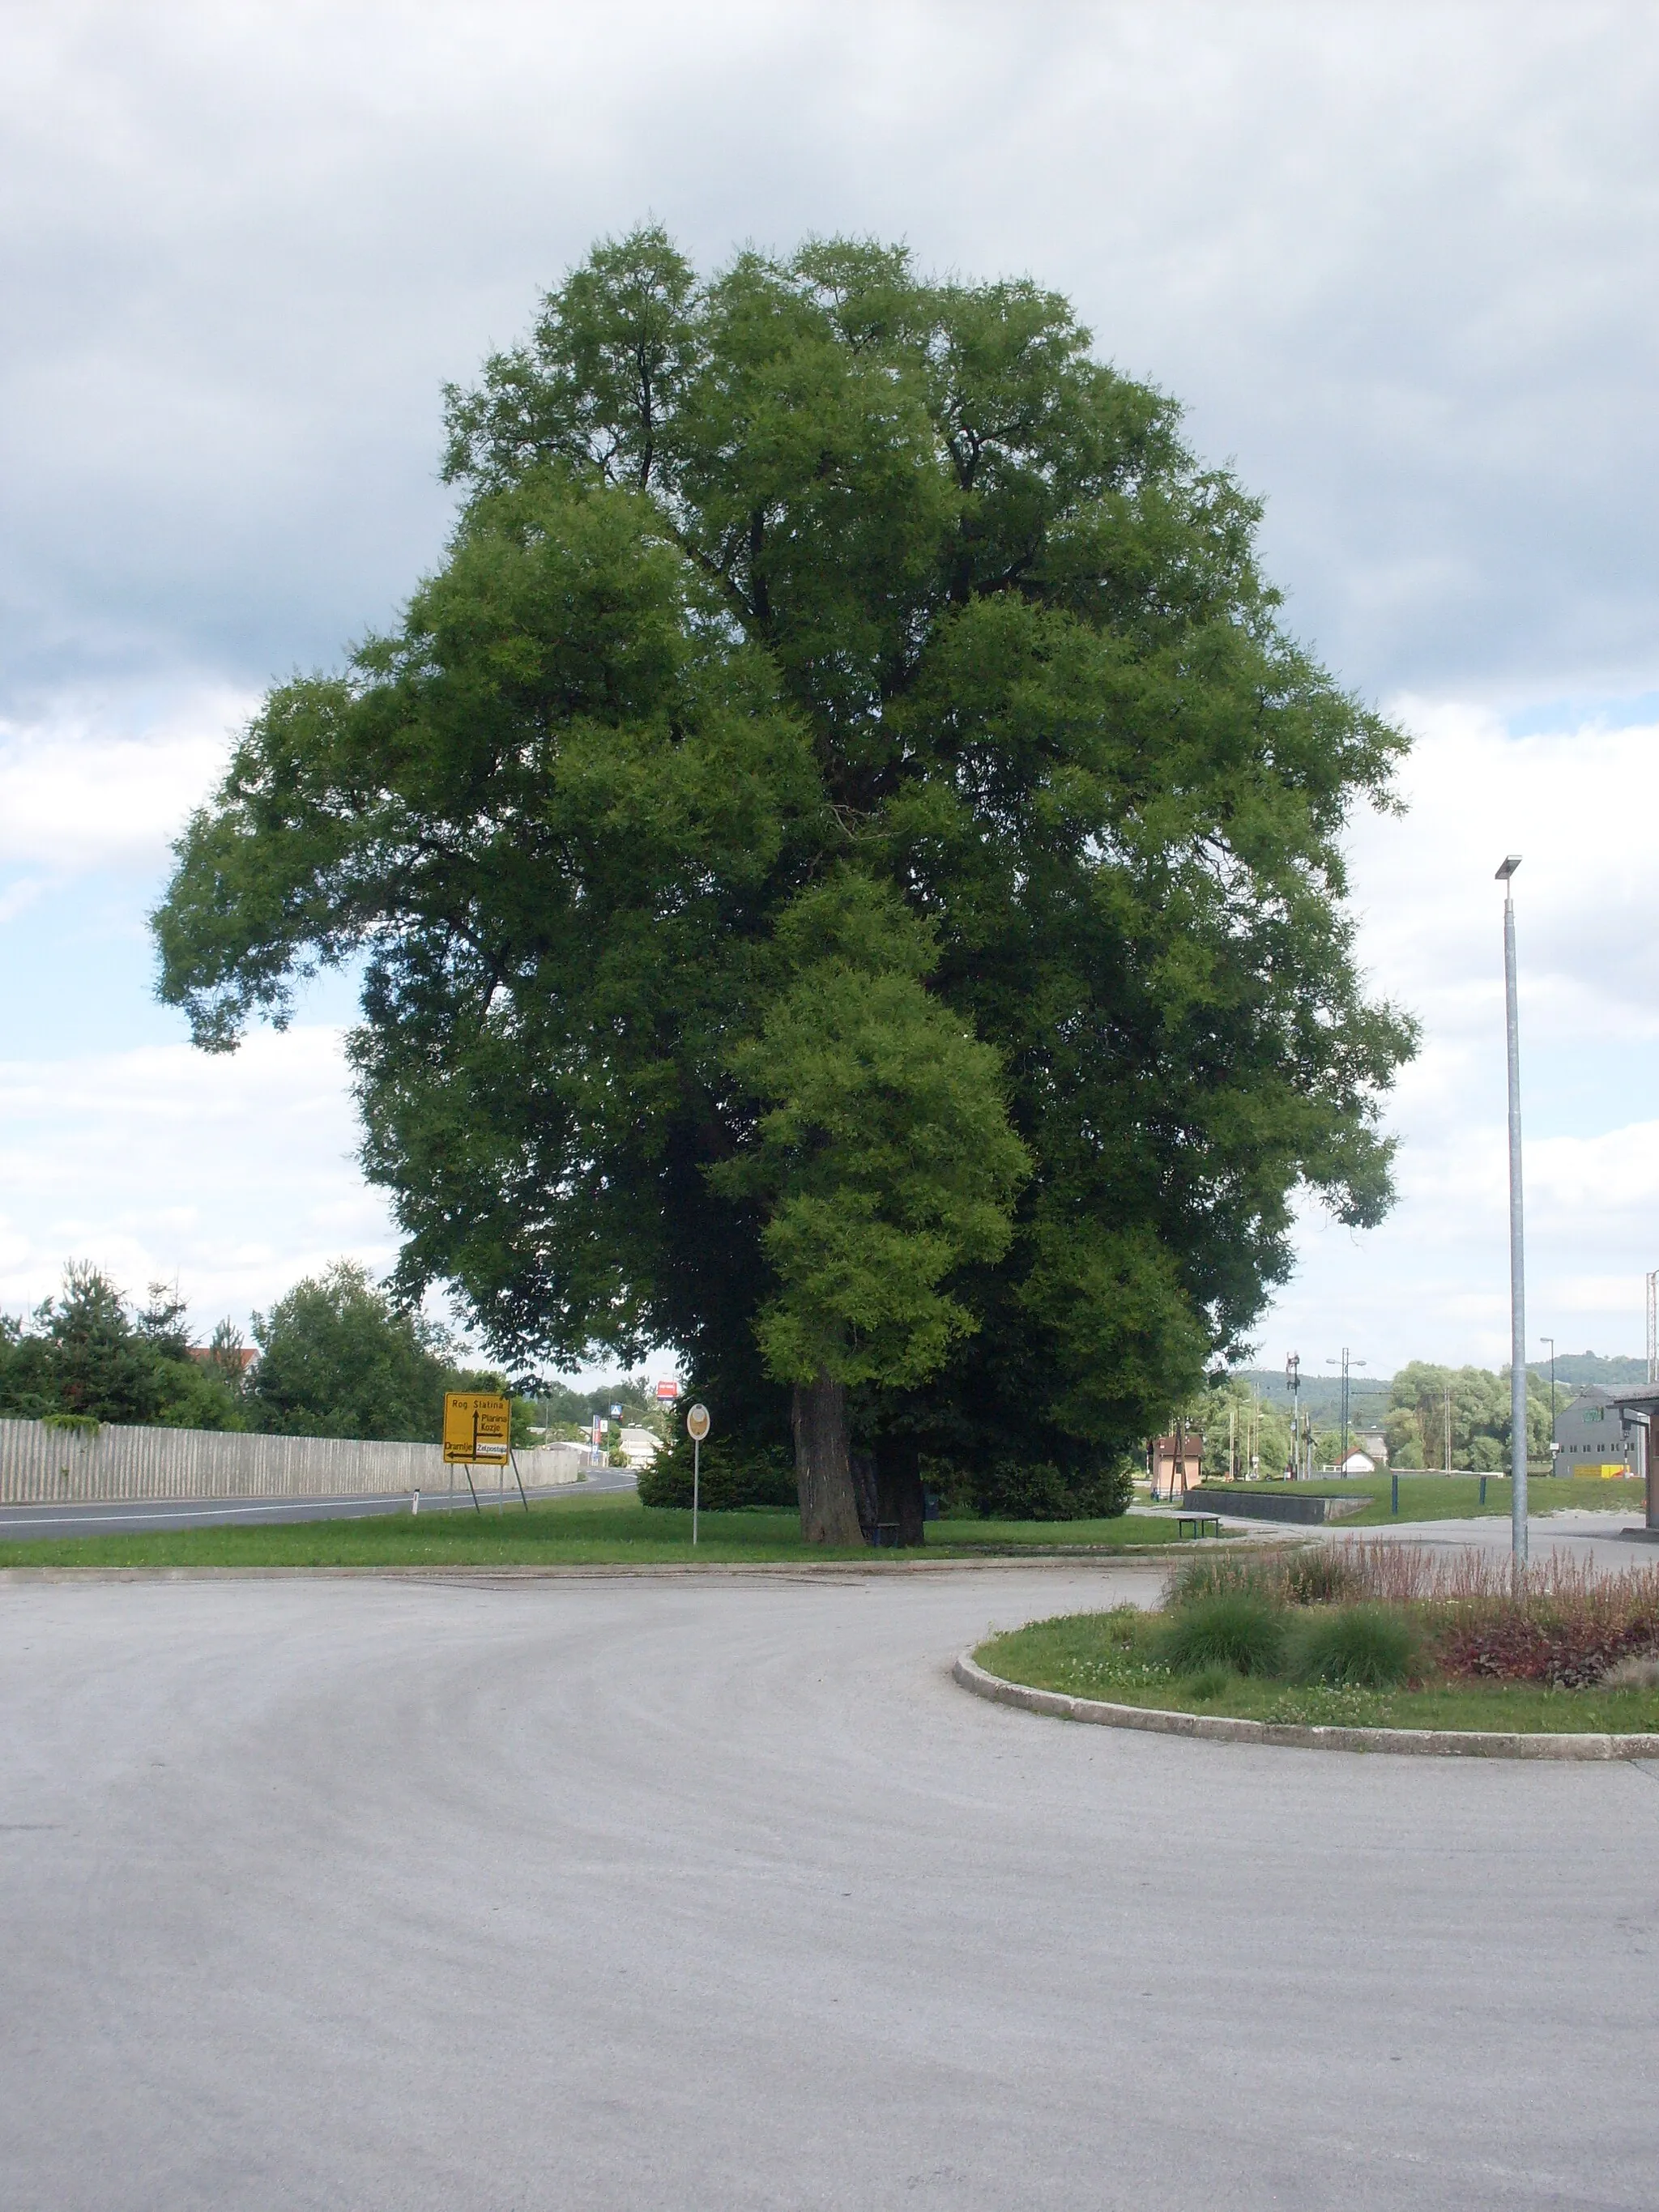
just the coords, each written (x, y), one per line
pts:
(1517, 1246)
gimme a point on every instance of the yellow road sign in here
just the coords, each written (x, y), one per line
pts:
(478, 1425)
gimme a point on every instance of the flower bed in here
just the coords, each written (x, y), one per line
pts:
(1379, 1635)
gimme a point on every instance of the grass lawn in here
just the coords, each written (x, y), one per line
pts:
(1457, 1497)
(574, 1530)
(1104, 1655)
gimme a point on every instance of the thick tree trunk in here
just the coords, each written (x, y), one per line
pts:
(898, 1487)
(864, 1492)
(824, 1471)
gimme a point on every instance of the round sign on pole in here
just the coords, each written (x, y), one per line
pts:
(696, 1423)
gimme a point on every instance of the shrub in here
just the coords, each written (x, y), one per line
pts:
(1514, 1644)
(1368, 1647)
(1638, 1672)
(1322, 1574)
(1310, 1574)
(1210, 1682)
(729, 1478)
(1216, 1574)
(1236, 1629)
(1036, 1490)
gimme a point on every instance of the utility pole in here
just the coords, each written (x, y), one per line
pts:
(1345, 1406)
(1293, 1384)
(1653, 1326)
(1550, 1340)
(1348, 1361)
(1505, 875)
(1448, 1428)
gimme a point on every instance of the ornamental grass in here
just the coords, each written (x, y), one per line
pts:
(1402, 1611)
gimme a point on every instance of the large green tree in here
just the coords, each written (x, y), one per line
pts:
(338, 1358)
(847, 867)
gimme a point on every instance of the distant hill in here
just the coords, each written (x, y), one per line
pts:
(1368, 1395)
(1581, 1367)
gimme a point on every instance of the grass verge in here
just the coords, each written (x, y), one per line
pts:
(574, 1531)
(1457, 1497)
(1110, 1657)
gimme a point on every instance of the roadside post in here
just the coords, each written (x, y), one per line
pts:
(697, 1427)
(478, 1432)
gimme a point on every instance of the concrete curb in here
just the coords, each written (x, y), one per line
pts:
(1214, 1727)
(609, 1570)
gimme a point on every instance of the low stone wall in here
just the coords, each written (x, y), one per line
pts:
(1276, 1504)
(43, 1466)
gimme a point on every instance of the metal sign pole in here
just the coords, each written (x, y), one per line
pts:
(519, 1479)
(1517, 1246)
(697, 1427)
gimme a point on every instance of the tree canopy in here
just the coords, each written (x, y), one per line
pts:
(847, 867)
(1478, 1400)
(87, 1353)
(338, 1358)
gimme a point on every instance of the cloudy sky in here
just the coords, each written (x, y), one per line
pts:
(1399, 262)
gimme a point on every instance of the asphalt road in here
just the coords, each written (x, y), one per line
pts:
(719, 1894)
(143, 1516)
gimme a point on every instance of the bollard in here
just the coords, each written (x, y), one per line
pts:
(1394, 1482)
(1483, 1490)
(415, 1506)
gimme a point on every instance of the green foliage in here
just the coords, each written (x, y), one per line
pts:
(1302, 1574)
(1321, 1574)
(1415, 1427)
(730, 1475)
(1368, 1647)
(1573, 1369)
(883, 1158)
(1209, 1683)
(339, 1357)
(847, 865)
(1260, 1425)
(1014, 1489)
(1235, 1629)
(83, 1356)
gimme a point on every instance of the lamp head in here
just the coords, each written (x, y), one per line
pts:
(1511, 862)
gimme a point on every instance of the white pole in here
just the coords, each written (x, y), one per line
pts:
(696, 1472)
(1517, 1246)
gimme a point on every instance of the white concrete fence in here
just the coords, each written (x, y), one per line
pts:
(44, 1466)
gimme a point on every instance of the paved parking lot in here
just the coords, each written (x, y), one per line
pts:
(717, 1892)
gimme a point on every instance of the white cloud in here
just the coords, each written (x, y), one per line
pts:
(1399, 259)
(234, 1174)
(82, 788)
(1434, 1280)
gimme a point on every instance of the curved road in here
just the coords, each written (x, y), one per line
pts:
(719, 1894)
